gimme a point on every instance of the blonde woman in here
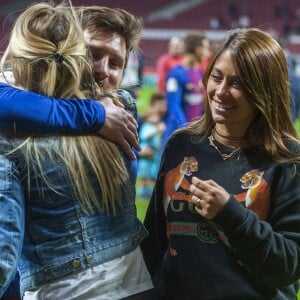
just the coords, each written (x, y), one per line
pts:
(67, 203)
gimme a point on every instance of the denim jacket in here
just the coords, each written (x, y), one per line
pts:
(48, 231)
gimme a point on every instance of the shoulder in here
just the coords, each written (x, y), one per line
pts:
(177, 71)
(163, 58)
(8, 90)
(5, 86)
(176, 79)
(128, 101)
(180, 139)
(293, 146)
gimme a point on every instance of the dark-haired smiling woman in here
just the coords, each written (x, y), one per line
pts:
(224, 217)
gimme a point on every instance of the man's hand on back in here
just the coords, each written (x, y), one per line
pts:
(120, 127)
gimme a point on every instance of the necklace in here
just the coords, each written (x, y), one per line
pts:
(225, 156)
(227, 137)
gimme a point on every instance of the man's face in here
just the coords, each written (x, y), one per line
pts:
(109, 54)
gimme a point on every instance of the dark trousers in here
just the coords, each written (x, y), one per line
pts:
(147, 295)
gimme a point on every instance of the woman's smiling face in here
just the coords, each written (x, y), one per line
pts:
(227, 99)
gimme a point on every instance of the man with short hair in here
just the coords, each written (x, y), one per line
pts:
(110, 34)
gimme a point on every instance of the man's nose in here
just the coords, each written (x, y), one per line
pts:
(101, 68)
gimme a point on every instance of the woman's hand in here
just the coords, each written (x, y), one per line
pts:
(208, 197)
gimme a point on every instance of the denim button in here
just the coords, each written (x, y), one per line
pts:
(135, 240)
(89, 258)
(76, 263)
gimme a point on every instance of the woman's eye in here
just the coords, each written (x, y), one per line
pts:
(236, 85)
(216, 77)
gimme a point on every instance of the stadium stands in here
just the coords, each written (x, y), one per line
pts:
(280, 17)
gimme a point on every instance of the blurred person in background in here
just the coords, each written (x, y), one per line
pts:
(294, 88)
(184, 89)
(150, 135)
(224, 217)
(169, 60)
(294, 81)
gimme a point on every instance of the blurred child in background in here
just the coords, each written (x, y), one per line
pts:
(150, 134)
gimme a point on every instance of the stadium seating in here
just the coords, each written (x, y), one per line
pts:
(279, 17)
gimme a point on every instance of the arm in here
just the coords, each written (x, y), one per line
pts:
(269, 251)
(121, 123)
(155, 245)
(11, 221)
(27, 111)
(174, 94)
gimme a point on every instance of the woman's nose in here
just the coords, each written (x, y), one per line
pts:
(222, 88)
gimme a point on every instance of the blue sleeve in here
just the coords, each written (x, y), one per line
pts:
(27, 111)
(175, 118)
(175, 85)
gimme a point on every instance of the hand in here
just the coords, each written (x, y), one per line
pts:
(147, 152)
(208, 197)
(161, 127)
(120, 127)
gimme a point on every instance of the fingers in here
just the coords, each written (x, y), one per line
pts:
(208, 197)
(199, 206)
(130, 140)
(201, 184)
(197, 190)
(110, 98)
(203, 208)
(196, 201)
(132, 127)
(131, 133)
(128, 151)
(131, 120)
(128, 136)
(120, 127)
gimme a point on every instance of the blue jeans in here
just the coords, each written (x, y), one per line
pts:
(13, 290)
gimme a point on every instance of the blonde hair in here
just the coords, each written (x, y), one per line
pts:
(47, 54)
(262, 70)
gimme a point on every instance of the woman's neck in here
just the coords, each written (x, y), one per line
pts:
(228, 139)
(238, 138)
